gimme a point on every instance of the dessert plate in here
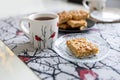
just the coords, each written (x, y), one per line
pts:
(61, 48)
(90, 24)
(107, 15)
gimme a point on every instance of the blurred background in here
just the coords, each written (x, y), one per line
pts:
(18, 7)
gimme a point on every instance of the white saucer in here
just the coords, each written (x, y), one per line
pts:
(107, 15)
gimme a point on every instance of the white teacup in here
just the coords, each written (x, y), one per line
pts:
(43, 30)
(94, 5)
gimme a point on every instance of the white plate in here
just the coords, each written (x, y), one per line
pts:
(107, 15)
(61, 48)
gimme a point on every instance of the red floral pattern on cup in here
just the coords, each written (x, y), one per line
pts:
(38, 38)
(53, 35)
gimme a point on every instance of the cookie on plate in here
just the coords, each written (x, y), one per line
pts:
(82, 48)
(64, 26)
(79, 14)
(77, 23)
(64, 17)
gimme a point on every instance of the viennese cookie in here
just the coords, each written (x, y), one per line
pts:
(64, 17)
(79, 14)
(64, 26)
(81, 47)
(77, 23)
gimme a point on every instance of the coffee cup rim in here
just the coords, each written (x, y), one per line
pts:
(43, 14)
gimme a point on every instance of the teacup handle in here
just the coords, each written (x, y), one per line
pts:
(23, 27)
(85, 4)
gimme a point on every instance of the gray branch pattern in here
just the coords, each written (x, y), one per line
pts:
(48, 65)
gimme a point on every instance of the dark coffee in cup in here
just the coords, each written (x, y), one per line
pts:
(44, 18)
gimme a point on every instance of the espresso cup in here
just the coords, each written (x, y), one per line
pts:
(42, 30)
(94, 5)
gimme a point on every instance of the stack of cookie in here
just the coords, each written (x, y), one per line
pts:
(74, 19)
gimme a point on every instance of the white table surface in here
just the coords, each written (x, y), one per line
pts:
(17, 7)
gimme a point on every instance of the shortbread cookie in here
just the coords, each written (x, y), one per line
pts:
(79, 14)
(77, 23)
(82, 48)
(84, 14)
(64, 26)
(64, 17)
(82, 27)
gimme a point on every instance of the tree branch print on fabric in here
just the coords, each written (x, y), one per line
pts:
(48, 65)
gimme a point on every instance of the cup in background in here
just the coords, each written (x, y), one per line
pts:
(43, 29)
(94, 5)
